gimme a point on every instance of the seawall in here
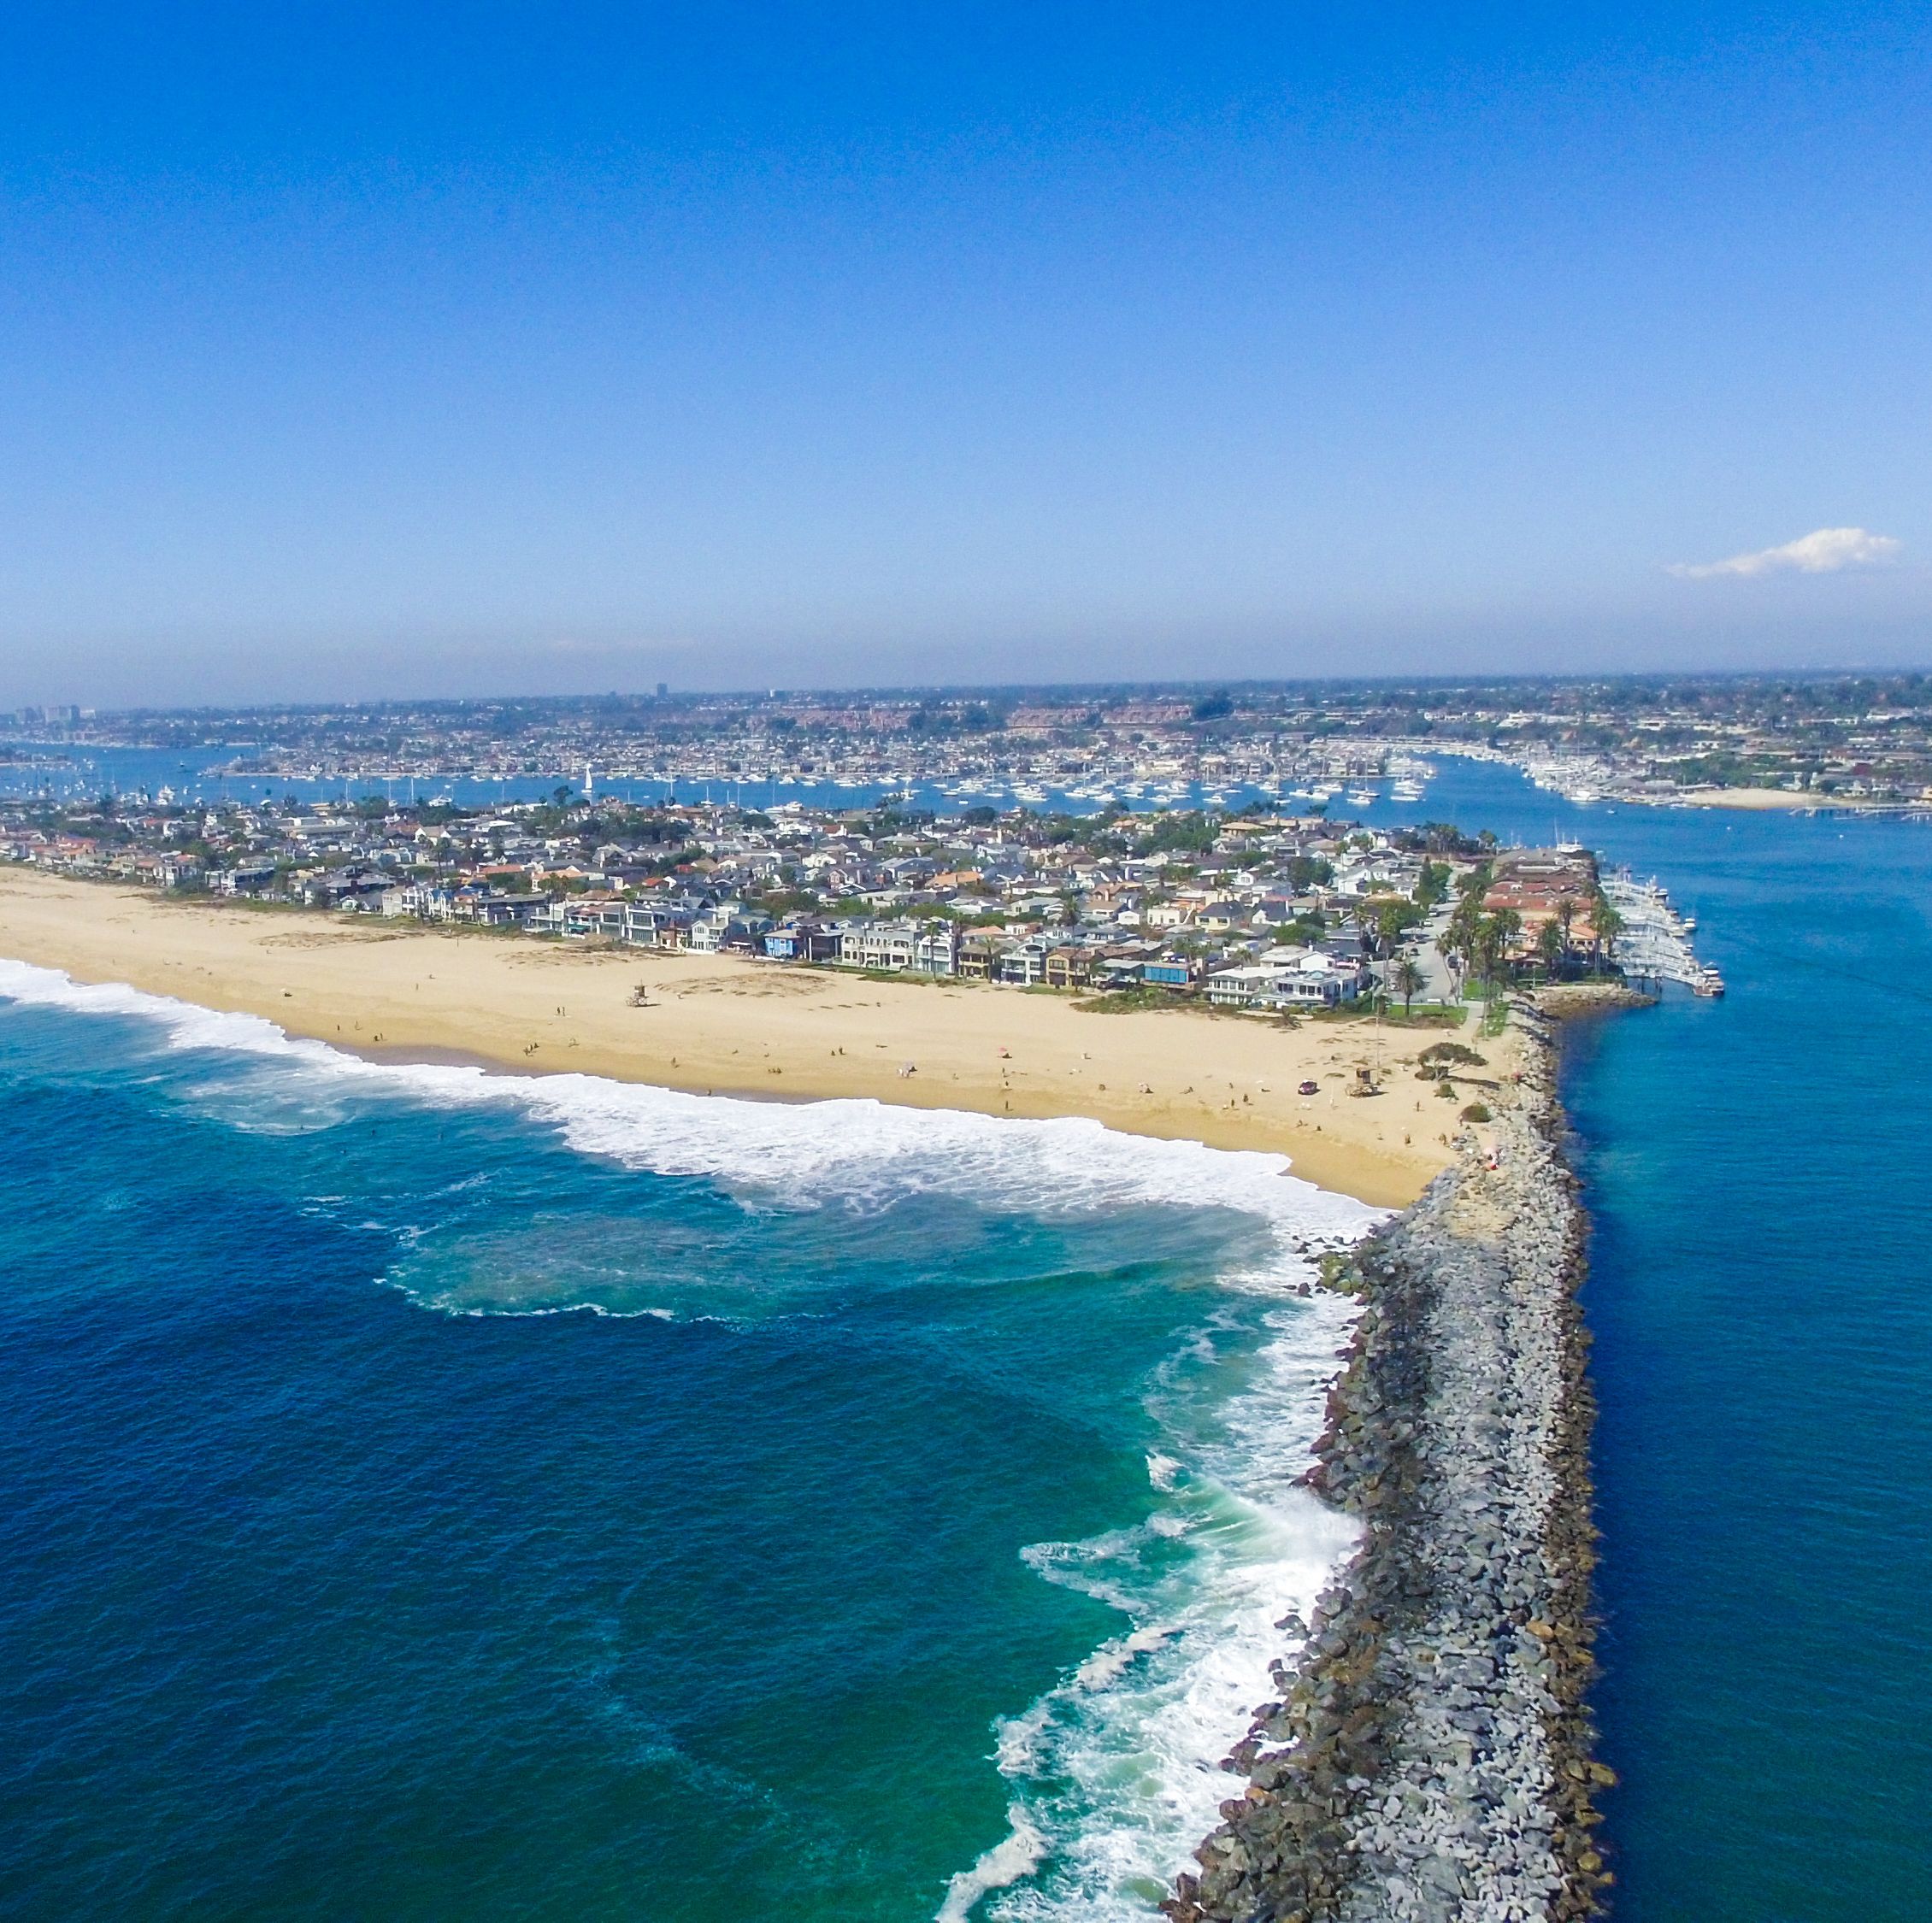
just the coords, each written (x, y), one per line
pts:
(1429, 1757)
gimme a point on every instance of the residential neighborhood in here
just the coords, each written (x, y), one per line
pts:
(1252, 911)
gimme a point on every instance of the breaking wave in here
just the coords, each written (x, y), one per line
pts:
(1112, 1774)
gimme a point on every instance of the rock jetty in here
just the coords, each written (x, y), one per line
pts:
(1429, 1757)
(1568, 999)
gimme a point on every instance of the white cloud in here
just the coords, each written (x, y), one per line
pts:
(1828, 551)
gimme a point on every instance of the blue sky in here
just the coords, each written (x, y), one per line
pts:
(354, 350)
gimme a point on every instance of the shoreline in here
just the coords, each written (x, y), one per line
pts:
(1431, 1754)
(383, 1054)
(1787, 801)
(728, 1026)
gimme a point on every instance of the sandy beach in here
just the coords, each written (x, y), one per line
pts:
(1757, 799)
(710, 1023)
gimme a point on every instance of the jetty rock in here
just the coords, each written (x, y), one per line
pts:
(1430, 1759)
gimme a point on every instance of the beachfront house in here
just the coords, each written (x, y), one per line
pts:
(486, 908)
(1073, 965)
(1300, 980)
(1023, 964)
(596, 918)
(803, 941)
(937, 950)
(720, 930)
(927, 948)
(657, 924)
(424, 901)
(1254, 984)
(978, 956)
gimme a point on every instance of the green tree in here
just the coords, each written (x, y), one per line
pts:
(1459, 938)
(1493, 935)
(1606, 925)
(1407, 980)
(1394, 920)
(1550, 946)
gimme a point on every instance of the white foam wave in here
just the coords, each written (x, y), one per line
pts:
(1117, 1768)
(858, 1153)
(189, 1025)
(1113, 1772)
(1017, 1854)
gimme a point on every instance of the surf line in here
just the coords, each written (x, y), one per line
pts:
(1432, 1749)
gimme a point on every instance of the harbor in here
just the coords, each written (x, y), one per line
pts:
(1654, 945)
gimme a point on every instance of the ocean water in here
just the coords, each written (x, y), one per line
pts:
(440, 1495)
(1759, 1174)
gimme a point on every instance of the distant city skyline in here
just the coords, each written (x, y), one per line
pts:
(360, 359)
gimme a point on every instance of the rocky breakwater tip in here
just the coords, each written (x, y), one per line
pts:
(1428, 1757)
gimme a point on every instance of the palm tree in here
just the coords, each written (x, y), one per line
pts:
(1459, 938)
(1408, 981)
(1550, 945)
(1366, 915)
(1606, 925)
(1482, 952)
(1493, 939)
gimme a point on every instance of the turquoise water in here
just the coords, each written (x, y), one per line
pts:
(441, 1497)
(903, 1532)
